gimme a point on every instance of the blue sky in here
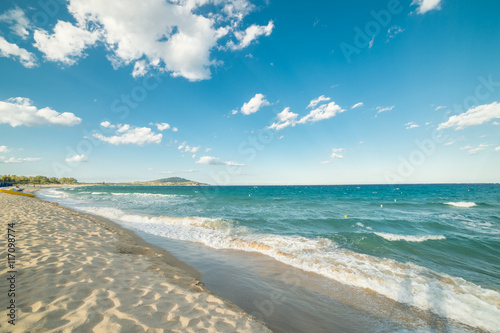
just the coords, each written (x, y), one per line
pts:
(251, 92)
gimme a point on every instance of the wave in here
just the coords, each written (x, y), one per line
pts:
(409, 238)
(146, 195)
(461, 204)
(402, 282)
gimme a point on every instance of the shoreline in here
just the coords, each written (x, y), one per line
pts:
(54, 243)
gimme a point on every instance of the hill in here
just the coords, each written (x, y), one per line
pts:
(172, 181)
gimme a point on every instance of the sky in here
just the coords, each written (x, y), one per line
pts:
(238, 92)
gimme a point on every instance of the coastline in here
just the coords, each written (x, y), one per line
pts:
(79, 271)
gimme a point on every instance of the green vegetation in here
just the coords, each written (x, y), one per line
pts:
(37, 180)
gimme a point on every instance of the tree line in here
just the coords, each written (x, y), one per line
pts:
(37, 180)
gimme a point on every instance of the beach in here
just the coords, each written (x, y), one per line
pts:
(77, 272)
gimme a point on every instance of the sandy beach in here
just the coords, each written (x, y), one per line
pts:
(77, 272)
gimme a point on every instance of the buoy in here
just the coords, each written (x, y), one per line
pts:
(345, 216)
(381, 206)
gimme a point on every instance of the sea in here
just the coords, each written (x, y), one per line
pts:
(430, 251)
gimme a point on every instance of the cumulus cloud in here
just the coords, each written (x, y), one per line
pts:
(210, 160)
(77, 159)
(285, 118)
(411, 125)
(18, 21)
(175, 36)
(9, 50)
(245, 38)
(426, 5)
(475, 116)
(318, 100)
(21, 111)
(254, 104)
(10, 160)
(357, 105)
(66, 44)
(126, 134)
(384, 109)
(161, 126)
(4, 149)
(324, 111)
(107, 124)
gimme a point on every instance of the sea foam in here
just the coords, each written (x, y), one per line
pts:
(461, 204)
(409, 238)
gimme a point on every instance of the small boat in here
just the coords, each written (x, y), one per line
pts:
(12, 191)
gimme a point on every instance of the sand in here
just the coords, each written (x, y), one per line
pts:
(80, 273)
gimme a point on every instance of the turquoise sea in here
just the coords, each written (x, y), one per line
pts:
(433, 247)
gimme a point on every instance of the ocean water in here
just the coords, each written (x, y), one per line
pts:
(434, 247)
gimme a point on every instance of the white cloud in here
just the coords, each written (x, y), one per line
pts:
(497, 148)
(162, 126)
(140, 69)
(475, 116)
(9, 50)
(411, 125)
(383, 109)
(187, 148)
(439, 107)
(20, 111)
(324, 111)
(371, 42)
(336, 153)
(11, 160)
(174, 129)
(357, 105)
(4, 149)
(245, 38)
(394, 31)
(107, 124)
(210, 160)
(19, 22)
(474, 151)
(175, 36)
(66, 44)
(254, 104)
(77, 159)
(426, 5)
(318, 100)
(126, 134)
(285, 119)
